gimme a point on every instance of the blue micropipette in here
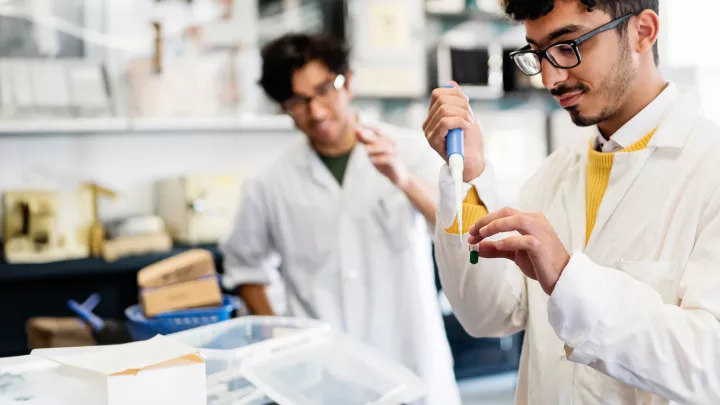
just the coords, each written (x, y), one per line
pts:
(454, 144)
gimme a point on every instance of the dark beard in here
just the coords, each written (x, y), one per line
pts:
(614, 89)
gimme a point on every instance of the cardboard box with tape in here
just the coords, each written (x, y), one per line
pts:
(187, 280)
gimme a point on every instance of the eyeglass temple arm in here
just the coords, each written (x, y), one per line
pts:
(523, 49)
(609, 26)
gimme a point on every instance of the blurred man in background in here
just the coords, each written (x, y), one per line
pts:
(611, 264)
(347, 210)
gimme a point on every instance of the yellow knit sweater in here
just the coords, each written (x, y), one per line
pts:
(473, 209)
(598, 176)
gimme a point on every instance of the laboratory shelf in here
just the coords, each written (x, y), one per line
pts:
(87, 267)
(98, 126)
(41, 126)
(184, 124)
(241, 123)
(471, 14)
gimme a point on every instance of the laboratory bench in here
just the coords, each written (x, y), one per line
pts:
(42, 290)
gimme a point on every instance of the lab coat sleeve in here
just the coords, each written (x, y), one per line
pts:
(248, 251)
(489, 298)
(622, 327)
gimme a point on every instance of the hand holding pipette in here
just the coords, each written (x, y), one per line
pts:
(453, 132)
(455, 149)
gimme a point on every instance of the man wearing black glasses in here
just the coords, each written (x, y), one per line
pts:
(611, 262)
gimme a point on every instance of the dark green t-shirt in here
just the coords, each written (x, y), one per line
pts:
(336, 165)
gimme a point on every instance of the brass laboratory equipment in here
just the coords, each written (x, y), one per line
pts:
(39, 228)
(97, 230)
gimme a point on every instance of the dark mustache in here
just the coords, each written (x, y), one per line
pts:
(565, 89)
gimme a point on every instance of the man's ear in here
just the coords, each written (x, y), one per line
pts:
(647, 27)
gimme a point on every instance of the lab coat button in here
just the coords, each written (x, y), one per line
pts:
(352, 275)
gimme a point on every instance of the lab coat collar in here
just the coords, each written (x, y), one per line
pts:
(676, 126)
(643, 123)
(672, 132)
(319, 173)
(358, 161)
(317, 170)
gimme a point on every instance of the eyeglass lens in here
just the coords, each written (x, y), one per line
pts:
(560, 55)
(324, 94)
(529, 63)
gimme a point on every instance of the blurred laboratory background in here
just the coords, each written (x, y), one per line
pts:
(135, 122)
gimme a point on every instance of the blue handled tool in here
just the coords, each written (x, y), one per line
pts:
(85, 311)
(105, 332)
(454, 144)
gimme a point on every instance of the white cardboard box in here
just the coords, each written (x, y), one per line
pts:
(156, 371)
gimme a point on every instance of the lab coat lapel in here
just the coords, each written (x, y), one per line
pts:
(356, 175)
(672, 132)
(626, 168)
(574, 201)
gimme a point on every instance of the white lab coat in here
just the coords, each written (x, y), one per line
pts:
(356, 256)
(640, 304)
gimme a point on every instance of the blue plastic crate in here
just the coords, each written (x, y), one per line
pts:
(142, 328)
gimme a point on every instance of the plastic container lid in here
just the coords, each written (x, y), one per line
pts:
(239, 336)
(224, 344)
(330, 370)
(32, 380)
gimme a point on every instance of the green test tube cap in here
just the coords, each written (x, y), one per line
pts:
(474, 257)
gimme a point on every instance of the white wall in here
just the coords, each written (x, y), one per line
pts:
(689, 23)
(130, 163)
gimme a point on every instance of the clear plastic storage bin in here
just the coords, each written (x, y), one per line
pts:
(331, 369)
(250, 361)
(225, 344)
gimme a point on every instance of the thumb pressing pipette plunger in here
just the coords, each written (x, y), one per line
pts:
(454, 144)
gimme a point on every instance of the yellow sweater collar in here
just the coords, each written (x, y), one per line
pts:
(605, 160)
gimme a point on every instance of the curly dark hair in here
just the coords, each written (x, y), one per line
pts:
(283, 56)
(520, 10)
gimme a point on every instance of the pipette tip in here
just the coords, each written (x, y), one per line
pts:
(460, 227)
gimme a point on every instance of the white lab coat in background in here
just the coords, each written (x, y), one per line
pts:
(356, 256)
(640, 305)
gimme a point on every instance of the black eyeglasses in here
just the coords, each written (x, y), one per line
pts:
(562, 55)
(325, 93)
